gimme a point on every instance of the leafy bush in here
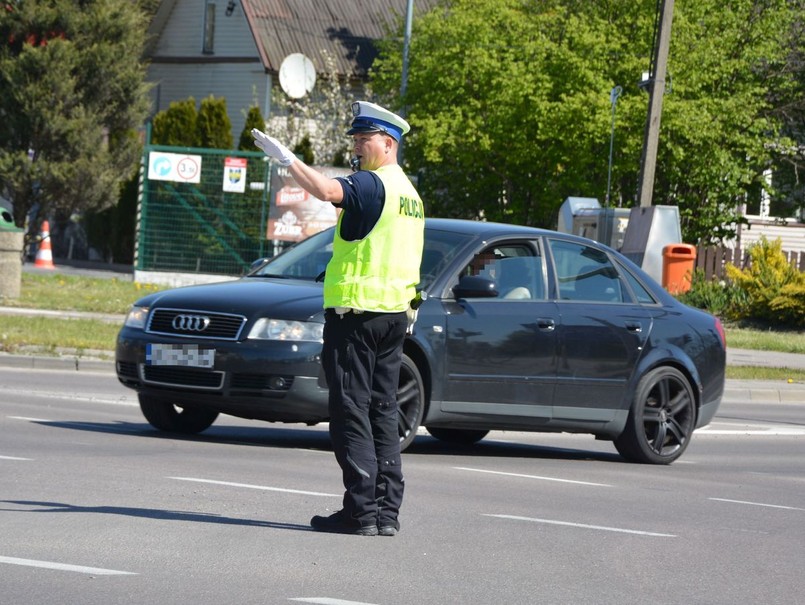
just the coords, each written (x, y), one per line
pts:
(721, 298)
(789, 305)
(774, 290)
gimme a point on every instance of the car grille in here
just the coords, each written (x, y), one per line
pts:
(182, 377)
(195, 324)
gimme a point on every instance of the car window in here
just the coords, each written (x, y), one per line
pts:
(308, 259)
(440, 249)
(305, 260)
(641, 293)
(585, 273)
(516, 270)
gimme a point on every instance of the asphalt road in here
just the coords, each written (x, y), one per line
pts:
(97, 508)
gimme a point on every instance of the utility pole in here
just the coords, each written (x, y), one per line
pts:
(409, 15)
(656, 90)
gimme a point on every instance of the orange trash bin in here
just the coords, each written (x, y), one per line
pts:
(678, 263)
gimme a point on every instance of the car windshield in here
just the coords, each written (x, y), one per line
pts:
(308, 259)
(304, 260)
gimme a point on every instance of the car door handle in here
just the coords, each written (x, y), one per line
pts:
(546, 324)
(634, 327)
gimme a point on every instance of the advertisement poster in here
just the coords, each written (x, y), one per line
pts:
(294, 214)
(235, 175)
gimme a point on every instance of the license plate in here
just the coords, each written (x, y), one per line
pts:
(188, 356)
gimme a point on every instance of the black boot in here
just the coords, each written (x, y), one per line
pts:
(337, 523)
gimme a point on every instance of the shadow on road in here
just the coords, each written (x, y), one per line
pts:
(319, 439)
(147, 513)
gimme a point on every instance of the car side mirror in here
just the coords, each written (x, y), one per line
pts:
(257, 264)
(475, 286)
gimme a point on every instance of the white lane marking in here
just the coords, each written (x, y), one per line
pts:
(97, 571)
(756, 504)
(769, 432)
(328, 601)
(123, 400)
(584, 526)
(480, 470)
(27, 419)
(250, 486)
(13, 458)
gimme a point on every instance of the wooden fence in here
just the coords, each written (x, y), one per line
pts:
(713, 259)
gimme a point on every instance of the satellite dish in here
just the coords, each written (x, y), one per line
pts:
(297, 75)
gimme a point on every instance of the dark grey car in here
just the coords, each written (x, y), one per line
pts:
(522, 329)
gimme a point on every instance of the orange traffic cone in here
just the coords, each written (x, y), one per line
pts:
(44, 256)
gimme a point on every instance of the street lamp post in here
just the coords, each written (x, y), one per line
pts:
(613, 99)
(409, 13)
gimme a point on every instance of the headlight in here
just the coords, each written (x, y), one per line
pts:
(281, 329)
(136, 318)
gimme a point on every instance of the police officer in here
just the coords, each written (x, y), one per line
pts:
(368, 286)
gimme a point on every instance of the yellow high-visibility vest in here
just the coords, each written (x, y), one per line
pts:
(379, 272)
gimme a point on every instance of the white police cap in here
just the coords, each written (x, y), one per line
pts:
(368, 117)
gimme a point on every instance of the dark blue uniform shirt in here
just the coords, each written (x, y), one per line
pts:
(364, 196)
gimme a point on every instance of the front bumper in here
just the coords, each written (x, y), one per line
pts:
(262, 380)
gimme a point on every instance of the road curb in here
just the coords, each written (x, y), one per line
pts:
(40, 362)
(758, 391)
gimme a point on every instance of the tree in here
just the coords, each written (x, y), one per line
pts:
(304, 149)
(213, 124)
(254, 119)
(176, 125)
(73, 92)
(729, 66)
(788, 191)
(520, 118)
(182, 125)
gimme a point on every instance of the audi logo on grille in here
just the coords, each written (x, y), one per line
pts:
(190, 323)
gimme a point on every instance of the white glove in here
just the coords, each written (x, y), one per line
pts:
(273, 148)
(411, 314)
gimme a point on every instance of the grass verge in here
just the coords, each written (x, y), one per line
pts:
(765, 340)
(52, 336)
(78, 293)
(765, 373)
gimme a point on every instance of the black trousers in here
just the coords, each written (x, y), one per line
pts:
(361, 357)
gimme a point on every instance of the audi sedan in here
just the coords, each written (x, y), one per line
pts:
(521, 329)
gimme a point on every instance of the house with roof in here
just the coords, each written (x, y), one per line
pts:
(235, 48)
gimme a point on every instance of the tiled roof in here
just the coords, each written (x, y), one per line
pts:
(346, 29)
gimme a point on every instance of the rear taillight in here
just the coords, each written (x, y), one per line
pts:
(721, 334)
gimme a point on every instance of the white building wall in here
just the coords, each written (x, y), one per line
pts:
(790, 233)
(233, 71)
(183, 35)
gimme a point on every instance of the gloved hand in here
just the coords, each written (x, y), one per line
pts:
(411, 314)
(273, 148)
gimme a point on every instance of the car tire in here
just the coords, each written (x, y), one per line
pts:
(457, 436)
(661, 420)
(410, 401)
(164, 415)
